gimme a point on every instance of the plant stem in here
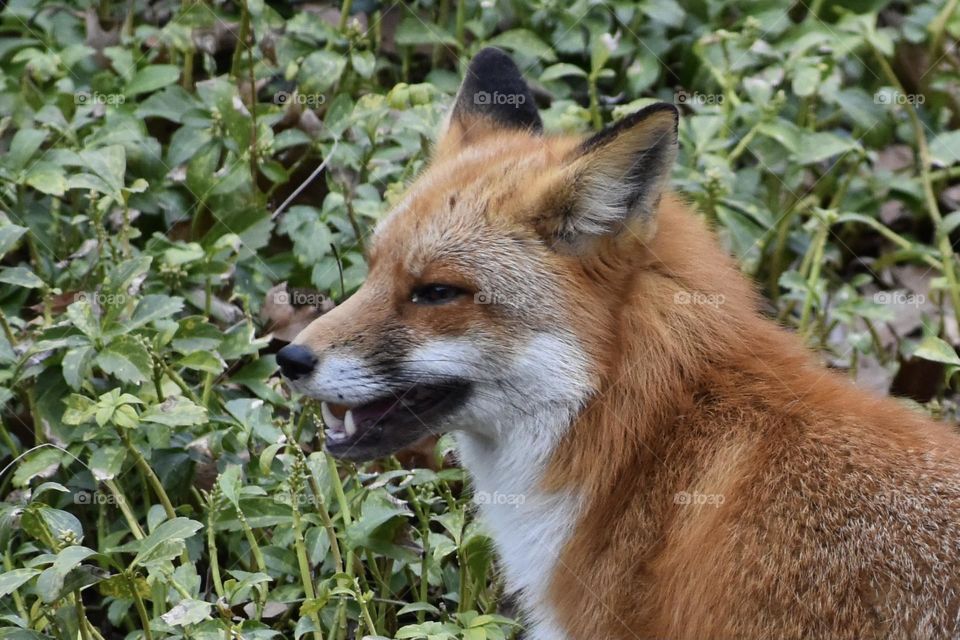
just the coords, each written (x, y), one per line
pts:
(124, 507)
(212, 542)
(152, 478)
(938, 28)
(345, 7)
(141, 609)
(817, 248)
(306, 578)
(318, 498)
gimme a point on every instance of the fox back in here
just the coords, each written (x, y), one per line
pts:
(653, 458)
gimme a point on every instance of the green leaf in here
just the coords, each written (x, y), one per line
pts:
(80, 409)
(806, 80)
(945, 148)
(178, 529)
(120, 586)
(364, 63)
(107, 461)
(561, 70)
(524, 42)
(934, 349)
(185, 143)
(230, 482)
(151, 78)
(63, 526)
(21, 277)
(50, 582)
(320, 71)
(46, 178)
(207, 361)
(816, 147)
(24, 144)
(82, 316)
(9, 234)
(121, 277)
(414, 607)
(412, 31)
(175, 412)
(41, 462)
(171, 104)
(12, 580)
(126, 359)
(75, 364)
(187, 612)
(109, 164)
(153, 307)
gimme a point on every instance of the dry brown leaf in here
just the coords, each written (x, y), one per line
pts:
(287, 311)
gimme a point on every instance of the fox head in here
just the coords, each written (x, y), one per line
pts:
(495, 283)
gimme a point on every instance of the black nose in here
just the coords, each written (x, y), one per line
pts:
(295, 361)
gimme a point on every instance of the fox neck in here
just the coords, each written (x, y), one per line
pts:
(529, 526)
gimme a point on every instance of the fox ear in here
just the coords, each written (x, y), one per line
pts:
(493, 96)
(613, 181)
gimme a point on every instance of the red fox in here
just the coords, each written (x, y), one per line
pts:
(653, 458)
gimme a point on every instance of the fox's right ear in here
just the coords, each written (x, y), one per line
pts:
(493, 96)
(612, 182)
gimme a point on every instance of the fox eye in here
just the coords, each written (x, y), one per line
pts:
(435, 294)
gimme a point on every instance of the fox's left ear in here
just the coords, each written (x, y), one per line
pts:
(493, 96)
(613, 181)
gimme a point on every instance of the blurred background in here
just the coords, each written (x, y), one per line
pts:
(185, 185)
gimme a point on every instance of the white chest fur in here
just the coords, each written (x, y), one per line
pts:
(529, 526)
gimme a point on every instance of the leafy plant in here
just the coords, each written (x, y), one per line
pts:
(167, 165)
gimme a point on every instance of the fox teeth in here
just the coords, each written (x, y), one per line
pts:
(332, 422)
(349, 426)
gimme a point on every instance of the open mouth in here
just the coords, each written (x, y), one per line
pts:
(386, 425)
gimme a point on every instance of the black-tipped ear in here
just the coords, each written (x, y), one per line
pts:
(614, 180)
(494, 89)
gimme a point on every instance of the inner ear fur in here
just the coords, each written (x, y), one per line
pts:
(613, 181)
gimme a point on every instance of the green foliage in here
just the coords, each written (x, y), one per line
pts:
(158, 482)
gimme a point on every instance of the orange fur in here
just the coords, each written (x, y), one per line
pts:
(840, 512)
